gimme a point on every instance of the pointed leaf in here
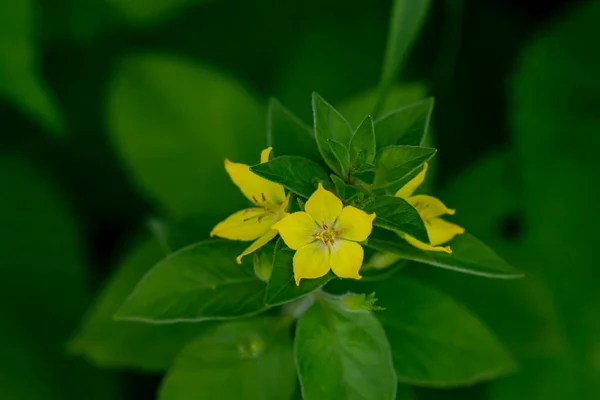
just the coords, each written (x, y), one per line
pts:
(20, 80)
(235, 360)
(469, 255)
(342, 355)
(297, 174)
(395, 214)
(396, 162)
(288, 135)
(282, 288)
(330, 125)
(122, 344)
(341, 154)
(363, 142)
(405, 126)
(200, 282)
(436, 341)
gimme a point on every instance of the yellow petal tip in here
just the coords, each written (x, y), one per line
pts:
(451, 211)
(447, 249)
(239, 259)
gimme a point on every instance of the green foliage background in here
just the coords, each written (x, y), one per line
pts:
(114, 111)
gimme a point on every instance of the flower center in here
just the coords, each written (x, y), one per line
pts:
(327, 235)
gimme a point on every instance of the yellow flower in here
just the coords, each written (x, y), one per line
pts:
(325, 237)
(253, 223)
(430, 209)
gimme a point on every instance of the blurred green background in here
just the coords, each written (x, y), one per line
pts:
(116, 111)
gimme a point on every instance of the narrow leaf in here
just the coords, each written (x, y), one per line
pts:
(345, 192)
(406, 126)
(330, 125)
(363, 142)
(282, 288)
(396, 162)
(200, 282)
(343, 355)
(298, 174)
(469, 256)
(395, 214)
(288, 135)
(406, 20)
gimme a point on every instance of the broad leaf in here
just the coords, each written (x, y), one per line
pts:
(123, 344)
(342, 354)
(288, 135)
(43, 290)
(163, 113)
(20, 80)
(200, 282)
(469, 255)
(396, 162)
(235, 360)
(330, 125)
(406, 20)
(297, 174)
(436, 341)
(282, 287)
(405, 126)
(363, 142)
(395, 214)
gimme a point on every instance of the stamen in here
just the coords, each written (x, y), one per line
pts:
(254, 198)
(264, 199)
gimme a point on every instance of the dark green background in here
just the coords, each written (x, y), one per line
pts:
(82, 94)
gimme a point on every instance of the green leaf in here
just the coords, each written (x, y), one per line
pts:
(345, 192)
(262, 260)
(297, 174)
(341, 154)
(436, 341)
(282, 287)
(330, 125)
(342, 354)
(395, 214)
(122, 344)
(174, 122)
(406, 20)
(363, 142)
(396, 162)
(236, 360)
(357, 107)
(44, 287)
(200, 282)
(288, 135)
(20, 79)
(406, 126)
(147, 13)
(469, 256)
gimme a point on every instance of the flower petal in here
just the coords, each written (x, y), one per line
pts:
(428, 206)
(258, 243)
(354, 224)
(255, 188)
(264, 155)
(412, 185)
(297, 229)
(424, 246)
(244, 225)
(311, 261)
(441, 231)
(323, 206)
(346, 259)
